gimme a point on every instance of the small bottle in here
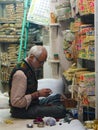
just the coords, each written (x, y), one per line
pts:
(52, 18)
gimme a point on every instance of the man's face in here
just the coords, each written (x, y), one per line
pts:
(38, 62)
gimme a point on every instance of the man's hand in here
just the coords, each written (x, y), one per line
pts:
(45, 92)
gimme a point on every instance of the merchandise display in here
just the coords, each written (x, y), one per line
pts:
(11, 23)
(86, 7)
(67, 44)
(86, 45)
(10, 30)
(8, 61)
(71, 43)
(63, 11)
(82, 82)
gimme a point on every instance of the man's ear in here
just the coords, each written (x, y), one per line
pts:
(31, 57)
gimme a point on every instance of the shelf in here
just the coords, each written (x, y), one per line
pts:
(7, 22)
(54, 61)
(38, 42)
(5, 65)
(9, 1)
(9, 36)
(68, 20)
(82, 58)
(90, 64)
(54, 24)
(87, 19)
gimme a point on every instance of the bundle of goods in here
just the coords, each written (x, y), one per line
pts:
(63, 11)
(86, 7)
(67, 44)
(85, 43)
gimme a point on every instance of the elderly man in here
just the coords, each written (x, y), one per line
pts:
(23, 94)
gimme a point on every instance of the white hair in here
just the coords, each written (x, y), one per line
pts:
(36, 50)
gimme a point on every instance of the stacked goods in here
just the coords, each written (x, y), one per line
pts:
(10, 12)
(8, 61)
(63, 11)
(12, 55)
(69, 74)
(86, 92)
(86, 7)
(82, 86)
(19, 17)
(8, 33)
(19, 12)
(74, 26)
(4, 71)
(86, 88)
(10, 28)
(85, 44)
(91, 124)
(87, 83)
(67, 44)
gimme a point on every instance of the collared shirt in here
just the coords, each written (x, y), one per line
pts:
(19, 86)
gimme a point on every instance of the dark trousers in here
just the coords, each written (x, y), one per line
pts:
(47, 107)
